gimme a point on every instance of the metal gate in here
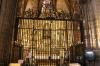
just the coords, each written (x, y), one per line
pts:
(47, 42)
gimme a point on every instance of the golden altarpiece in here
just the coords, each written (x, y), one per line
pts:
(47, 29)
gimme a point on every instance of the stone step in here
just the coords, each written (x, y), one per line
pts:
(74, 64)
(14, 64)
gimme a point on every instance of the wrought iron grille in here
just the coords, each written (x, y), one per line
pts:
(47, 42)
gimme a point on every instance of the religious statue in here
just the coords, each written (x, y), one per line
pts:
(46, 8)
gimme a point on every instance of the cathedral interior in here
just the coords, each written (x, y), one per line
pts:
(49, 32)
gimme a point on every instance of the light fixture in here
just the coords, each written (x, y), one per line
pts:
(90, 55)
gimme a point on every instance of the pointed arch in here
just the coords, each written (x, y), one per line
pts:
(61, 5)
(21, 7)
(0, 4)
(73, 6)
(67, 3)
(54, 4)
(39, 6)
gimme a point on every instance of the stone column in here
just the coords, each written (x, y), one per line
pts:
(7, 20)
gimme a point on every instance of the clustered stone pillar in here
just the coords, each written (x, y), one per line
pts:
(7, 20)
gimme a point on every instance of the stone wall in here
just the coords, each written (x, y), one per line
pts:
(89, 21)
(97, 16)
